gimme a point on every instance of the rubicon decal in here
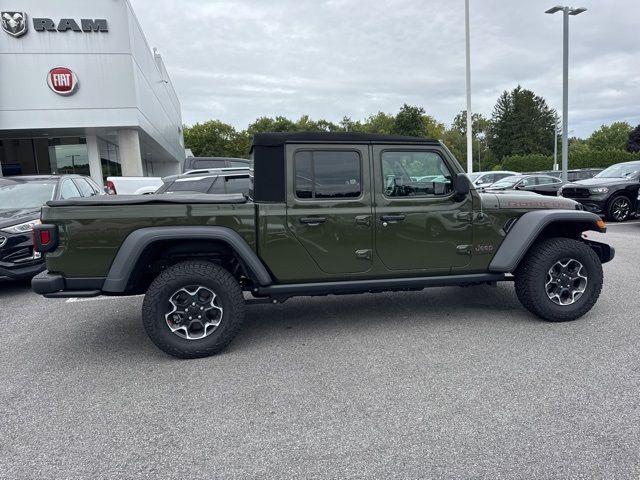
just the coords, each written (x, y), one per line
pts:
(62, 81)
(14, 23)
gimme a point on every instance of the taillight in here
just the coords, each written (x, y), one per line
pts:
(45, 238)
(111, 188)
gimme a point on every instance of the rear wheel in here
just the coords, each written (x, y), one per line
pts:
(560, 279)
(193, 309)
(619, 208)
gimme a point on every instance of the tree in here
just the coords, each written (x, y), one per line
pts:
(521, 123)
(409, 121)
(456, 139)
(210, 139)
(610, 137)
(633, 144)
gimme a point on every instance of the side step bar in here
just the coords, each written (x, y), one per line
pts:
(364, 286)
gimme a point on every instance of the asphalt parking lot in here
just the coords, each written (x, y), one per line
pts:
(448, 382)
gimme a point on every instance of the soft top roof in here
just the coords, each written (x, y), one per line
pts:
(280, 138)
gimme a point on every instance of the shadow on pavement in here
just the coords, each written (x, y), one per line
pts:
(8, 287)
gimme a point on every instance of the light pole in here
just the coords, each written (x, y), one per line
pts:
(468, 75)
(555, 143)
(566, 11)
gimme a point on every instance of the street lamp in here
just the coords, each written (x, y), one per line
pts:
(566, 11)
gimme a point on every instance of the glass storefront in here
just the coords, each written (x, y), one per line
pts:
(60, 155)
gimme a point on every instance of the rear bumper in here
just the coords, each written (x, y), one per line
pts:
(54, 285)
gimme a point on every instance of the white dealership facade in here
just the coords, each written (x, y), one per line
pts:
(81, 91)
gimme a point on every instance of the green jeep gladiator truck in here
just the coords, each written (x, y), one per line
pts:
(327, 213)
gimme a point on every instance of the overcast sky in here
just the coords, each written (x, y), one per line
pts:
(238, 60)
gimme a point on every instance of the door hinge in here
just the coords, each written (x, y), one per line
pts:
(363, 254)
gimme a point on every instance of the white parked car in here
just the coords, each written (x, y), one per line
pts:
(133, 185)
(484, 179)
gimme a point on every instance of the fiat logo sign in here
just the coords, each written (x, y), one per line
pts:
(62, 81)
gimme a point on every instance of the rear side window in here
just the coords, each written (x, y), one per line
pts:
(84, 187)
(198, 164)
(328, 174)
(231, 185)
(190, 185)
(68, 190)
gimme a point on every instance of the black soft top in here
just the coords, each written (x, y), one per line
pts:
(280, 138)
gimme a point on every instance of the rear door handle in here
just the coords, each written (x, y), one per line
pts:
(312, 220)
(392, 218)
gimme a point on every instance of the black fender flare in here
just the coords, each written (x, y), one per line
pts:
(529, 227)
(138, 240)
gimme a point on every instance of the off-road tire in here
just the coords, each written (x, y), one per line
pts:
(613, 205)
(531, 277)
(184, 274)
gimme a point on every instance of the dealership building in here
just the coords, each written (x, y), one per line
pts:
(82, 92)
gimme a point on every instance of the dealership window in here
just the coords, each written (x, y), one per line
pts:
(327, 174)
(110, 158)
(68, 155)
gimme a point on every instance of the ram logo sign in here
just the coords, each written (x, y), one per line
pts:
(14, 23)
(62, 81)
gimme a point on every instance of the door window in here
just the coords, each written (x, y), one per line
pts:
(409, 174)
(529, 182)
(69, 190)
(327, 174)
(84, 187)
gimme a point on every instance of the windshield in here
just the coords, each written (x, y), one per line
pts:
(506, 182)
(621, 170)
(26, 195)
(473, 176)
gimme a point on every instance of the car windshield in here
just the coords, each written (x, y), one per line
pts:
(506, 182)
(473, 176)
(32, 194)
(621, 170)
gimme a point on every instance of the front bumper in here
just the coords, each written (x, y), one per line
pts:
(592, 204)
(54, 285)
(18, 261)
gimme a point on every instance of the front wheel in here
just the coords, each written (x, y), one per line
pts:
(193, 309)
(619, 208)
(560, 279)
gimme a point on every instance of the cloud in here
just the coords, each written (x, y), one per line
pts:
(238, 60)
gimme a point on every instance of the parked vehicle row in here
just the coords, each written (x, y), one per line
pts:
(21, 199)
(613, 192)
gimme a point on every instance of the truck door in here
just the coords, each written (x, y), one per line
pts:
(419, 224)
(329, 205)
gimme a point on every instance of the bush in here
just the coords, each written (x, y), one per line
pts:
(584, 159)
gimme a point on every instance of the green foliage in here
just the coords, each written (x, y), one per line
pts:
(633, 144)
(582, 159)
(212, 138)
(610, 137)
(456, 139)
(521, 123)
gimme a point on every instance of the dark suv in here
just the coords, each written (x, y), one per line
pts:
(612, 192)
(20, 201)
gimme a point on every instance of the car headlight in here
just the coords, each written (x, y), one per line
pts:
(599, 190)
(22, 227)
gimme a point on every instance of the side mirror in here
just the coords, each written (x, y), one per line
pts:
(519, 187)
(462, 186)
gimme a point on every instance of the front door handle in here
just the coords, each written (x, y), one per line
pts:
(392, 218)
(312, 220)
